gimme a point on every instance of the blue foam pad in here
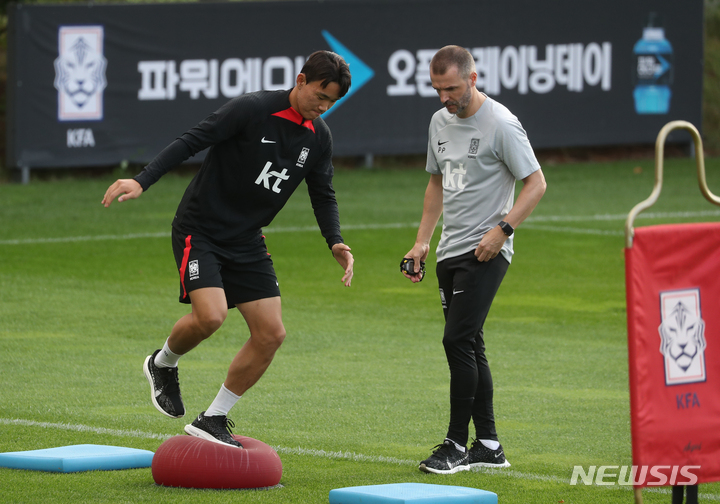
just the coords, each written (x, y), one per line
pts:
(411, 493)
(77, 458)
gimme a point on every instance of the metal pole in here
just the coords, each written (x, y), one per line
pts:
(638, 495)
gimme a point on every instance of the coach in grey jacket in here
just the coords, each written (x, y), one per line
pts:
(477, 149)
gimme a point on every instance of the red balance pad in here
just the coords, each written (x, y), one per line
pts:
(190, 462)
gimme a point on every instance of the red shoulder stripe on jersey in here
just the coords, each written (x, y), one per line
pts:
(183, 265)
(293, 115)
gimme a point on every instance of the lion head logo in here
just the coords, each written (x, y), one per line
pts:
(80, 72)
(682, 335)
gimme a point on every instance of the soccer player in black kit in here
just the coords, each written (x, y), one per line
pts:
(262, 145)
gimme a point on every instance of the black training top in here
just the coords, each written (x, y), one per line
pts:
(260, 151)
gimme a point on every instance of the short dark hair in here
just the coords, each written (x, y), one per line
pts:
(326, 66)
(452, 55)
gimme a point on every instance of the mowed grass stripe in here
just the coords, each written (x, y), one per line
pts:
(338, 455)
(530, 223)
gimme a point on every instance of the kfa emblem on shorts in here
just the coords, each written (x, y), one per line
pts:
(80, 73)
(302, 157)
(682, 335)
(474, 147)
(194, 270)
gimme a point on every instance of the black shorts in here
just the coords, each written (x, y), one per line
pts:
(245, 272)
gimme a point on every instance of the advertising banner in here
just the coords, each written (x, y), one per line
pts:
(95, 84)
(674, 353)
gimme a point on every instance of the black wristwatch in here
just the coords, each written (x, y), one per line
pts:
(507, 228)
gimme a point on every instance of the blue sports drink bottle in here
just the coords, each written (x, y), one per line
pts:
(653, 71)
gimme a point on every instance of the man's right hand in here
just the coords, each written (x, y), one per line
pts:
(418, 254)
(124, 188)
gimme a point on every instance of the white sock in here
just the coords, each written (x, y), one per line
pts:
(222, 403)
(459, 448)
(166, 357)
(489, 443)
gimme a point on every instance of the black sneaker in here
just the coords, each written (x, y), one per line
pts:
(164, 388)
(446, 459)
(482, 456)
(213, 428)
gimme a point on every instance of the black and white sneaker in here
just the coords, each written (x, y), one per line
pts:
(213, 428)
(164, 388)
(482, 456)
(446, 459)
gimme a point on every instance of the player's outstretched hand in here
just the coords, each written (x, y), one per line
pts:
(342, 255)
(124, 188)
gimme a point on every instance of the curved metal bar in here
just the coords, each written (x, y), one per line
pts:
(659, 154)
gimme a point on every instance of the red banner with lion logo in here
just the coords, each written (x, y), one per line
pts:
(672, 277)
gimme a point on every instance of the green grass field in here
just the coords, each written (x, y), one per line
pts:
(358, 394)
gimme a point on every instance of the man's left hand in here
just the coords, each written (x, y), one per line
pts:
(342, 255)
(490, 245)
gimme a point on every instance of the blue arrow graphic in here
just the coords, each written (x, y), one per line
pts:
(660, 69)
(361, 73)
